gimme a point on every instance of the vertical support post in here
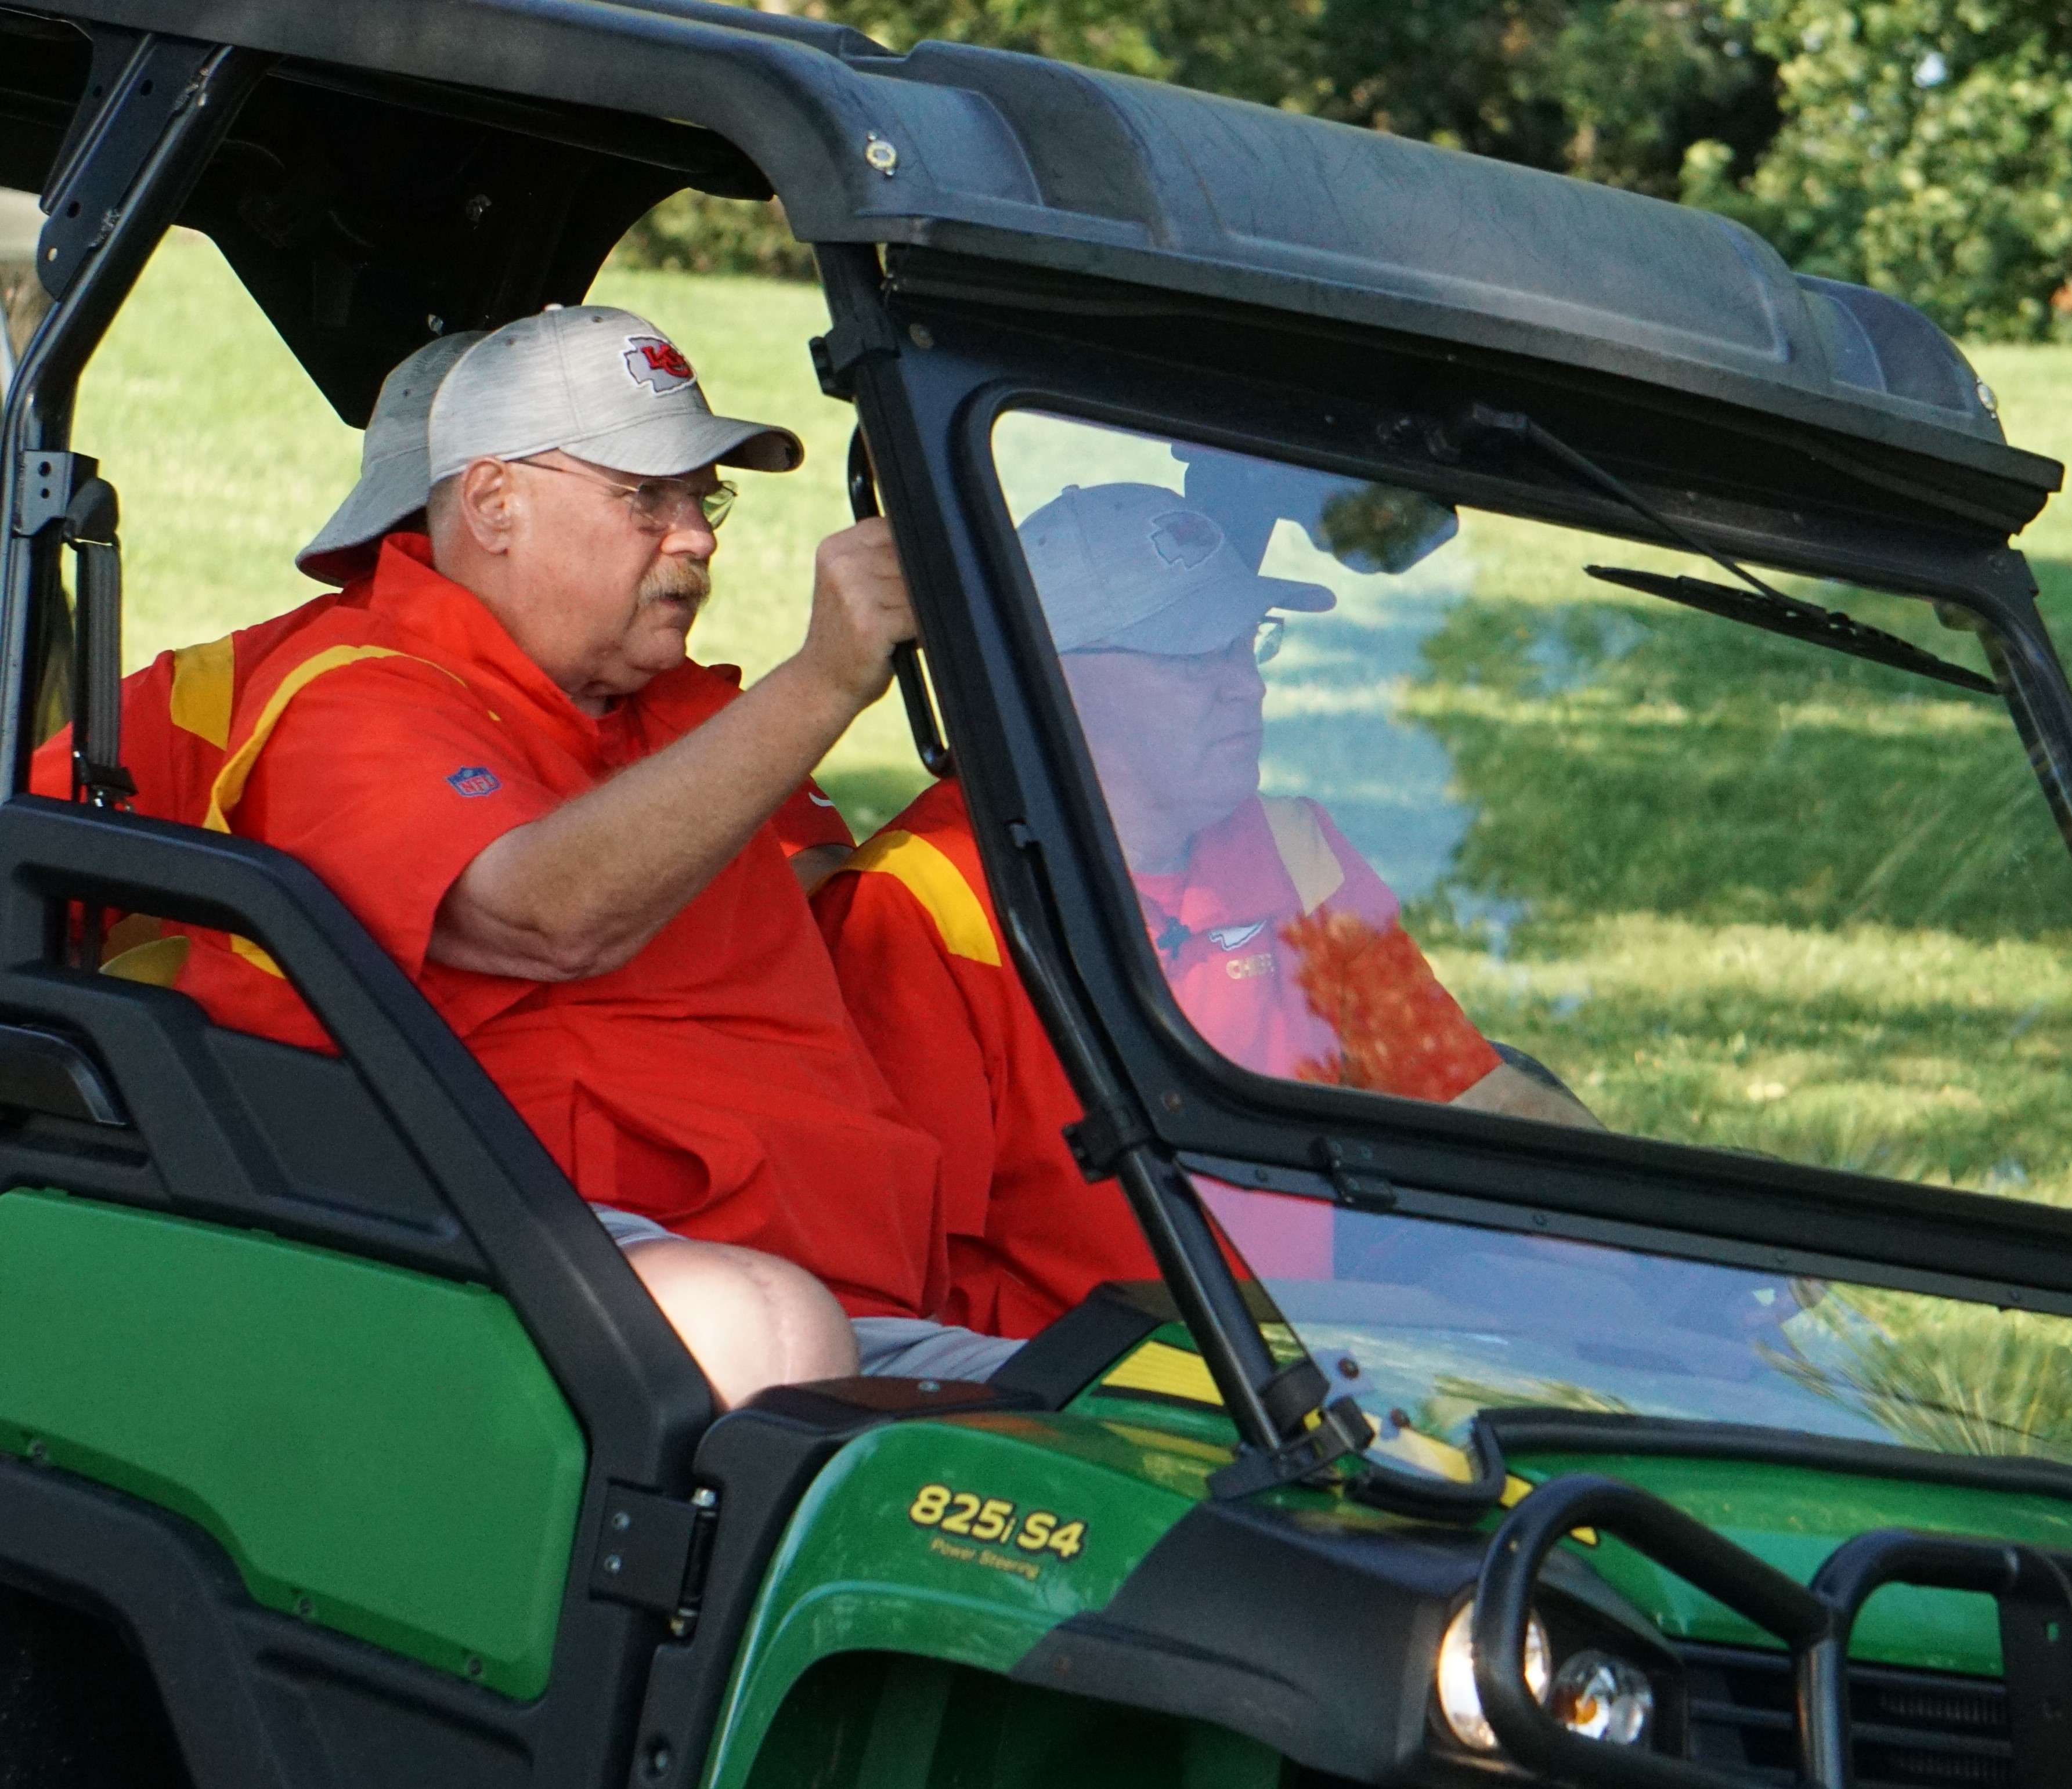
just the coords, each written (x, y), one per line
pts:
(37, 417)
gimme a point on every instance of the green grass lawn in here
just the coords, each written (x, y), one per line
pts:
(228, 460)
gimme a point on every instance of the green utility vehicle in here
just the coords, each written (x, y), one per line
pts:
(1727, 1444)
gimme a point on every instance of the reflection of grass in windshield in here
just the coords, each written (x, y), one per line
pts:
(1725, 775)
(1908, 1052)
(1956, 1379)
(1769, 897)
(1456, 1398)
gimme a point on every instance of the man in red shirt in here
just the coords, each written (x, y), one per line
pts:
(558, 826)
(1279, 942)
(177, 710)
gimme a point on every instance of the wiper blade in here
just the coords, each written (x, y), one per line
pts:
(1798, 621)
(1765, 606)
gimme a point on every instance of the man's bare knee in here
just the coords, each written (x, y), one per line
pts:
(749, 1319)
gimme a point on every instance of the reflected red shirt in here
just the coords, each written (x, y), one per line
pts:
(915, 938)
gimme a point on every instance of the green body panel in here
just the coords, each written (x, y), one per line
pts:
(377, 1451)
(1794, 1517)
(855, 1572)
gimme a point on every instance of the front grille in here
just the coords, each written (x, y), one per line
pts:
(1911, 1729)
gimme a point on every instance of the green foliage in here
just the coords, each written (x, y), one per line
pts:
(695, 233)
(1926, 149)
(1612, 90)
(1922, 146)
(1234, 46)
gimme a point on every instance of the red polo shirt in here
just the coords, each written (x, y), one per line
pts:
(715, 1082)
(177, 711)
(911, 927)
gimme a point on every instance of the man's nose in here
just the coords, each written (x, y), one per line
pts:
(689, 536)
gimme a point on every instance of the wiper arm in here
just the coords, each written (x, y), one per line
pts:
(1798, 620)
(1765, 607)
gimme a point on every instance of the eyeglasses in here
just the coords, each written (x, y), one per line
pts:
(657, 505)
(1265, 642)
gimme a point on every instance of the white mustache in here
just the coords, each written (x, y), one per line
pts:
(676, 580)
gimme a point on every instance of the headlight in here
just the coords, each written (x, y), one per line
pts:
(1602, 1697)
(1459, 1701)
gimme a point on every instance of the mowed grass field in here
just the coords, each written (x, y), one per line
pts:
(1734, 908)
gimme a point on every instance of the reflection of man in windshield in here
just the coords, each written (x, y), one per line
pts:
(1160, 626)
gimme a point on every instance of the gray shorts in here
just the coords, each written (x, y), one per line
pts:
(890, 1348)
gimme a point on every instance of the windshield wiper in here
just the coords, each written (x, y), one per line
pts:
(1798, 621)
(1765, 606)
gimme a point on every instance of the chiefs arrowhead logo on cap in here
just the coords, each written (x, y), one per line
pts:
(657, 362)
(1183, 537)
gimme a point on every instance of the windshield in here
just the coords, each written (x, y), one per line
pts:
(1419, 800)
(1427, 1323)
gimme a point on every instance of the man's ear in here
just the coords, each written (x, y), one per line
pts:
(484, 505)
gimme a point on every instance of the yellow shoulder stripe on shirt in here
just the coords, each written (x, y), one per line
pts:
(228, 788)
(1305, 853)
(204, 679)
(940, 886)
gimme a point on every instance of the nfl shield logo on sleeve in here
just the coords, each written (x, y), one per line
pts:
(475, 779)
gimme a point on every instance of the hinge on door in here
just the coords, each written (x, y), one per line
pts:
(1103, 1137)
(856, 339)
(48, 482)
(858, 328)
(652, 1551)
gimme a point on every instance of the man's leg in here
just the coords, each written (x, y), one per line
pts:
(750, 1320)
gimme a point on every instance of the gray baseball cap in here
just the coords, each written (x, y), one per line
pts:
(602, 384)
(1133, 567)
(393, 478)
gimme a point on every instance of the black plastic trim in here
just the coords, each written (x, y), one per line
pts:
(1057, 1363)
(1312, 1630)
(41, 1071)
(1527, 1430)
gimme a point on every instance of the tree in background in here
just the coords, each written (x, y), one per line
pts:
(1926, 149)
(696, 232)
(1616, 91)
(1924, 146)
(1265, 52)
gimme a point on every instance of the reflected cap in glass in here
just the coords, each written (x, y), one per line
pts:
(600, 384)
(394, 478)
(1131, 567)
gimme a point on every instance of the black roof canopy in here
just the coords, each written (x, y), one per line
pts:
(465, 160)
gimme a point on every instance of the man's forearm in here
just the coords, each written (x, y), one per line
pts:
(579, 891)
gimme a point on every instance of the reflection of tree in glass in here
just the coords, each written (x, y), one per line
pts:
(1456, 1397)
(1380, 528)
(1954, 1379)
(1397, 1029)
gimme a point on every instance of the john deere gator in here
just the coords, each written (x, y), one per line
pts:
(1682, 686)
